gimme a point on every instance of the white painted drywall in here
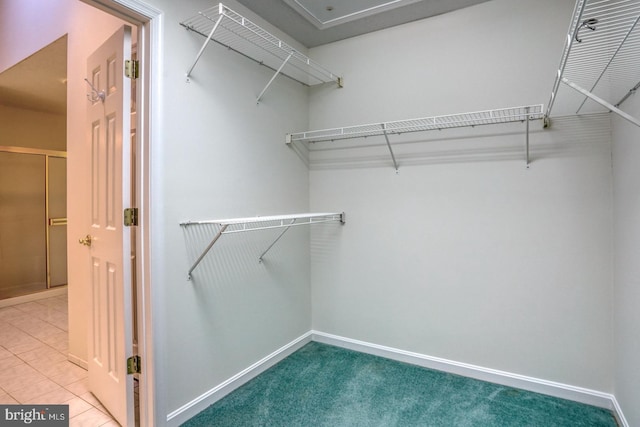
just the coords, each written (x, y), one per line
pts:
(30, 128)
(87, 28)
(626, 195)
(466, 254)
(224, 156)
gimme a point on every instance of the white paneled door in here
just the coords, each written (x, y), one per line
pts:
(110, 324)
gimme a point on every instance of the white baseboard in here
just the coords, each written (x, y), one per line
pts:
(551, 388)
(564, 391)
(48, 293)
(77, 361)
(617, 411)
(207, 399)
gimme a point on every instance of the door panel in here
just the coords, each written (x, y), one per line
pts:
(110, 331)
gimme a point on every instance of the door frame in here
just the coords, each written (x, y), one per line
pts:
(149, 22)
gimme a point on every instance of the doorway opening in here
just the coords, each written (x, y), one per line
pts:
(33, 152)
(84, 31)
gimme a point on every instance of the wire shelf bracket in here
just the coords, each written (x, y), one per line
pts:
(603, 62)
(601, 101)
(237, 33)
(478, 118)
(240, 225)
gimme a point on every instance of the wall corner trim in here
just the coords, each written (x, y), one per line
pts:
(201, 402)
(617, 411)
(564, 391)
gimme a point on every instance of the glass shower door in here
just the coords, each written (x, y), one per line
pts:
(22, 229)
(33, 220)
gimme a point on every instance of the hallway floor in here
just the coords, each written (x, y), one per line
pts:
(34, 369)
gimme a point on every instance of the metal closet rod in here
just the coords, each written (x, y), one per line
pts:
(257, 223)
(628, 94)
(422, 124)
(477, 118)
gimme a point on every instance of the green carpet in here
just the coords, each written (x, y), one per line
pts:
(322, 385)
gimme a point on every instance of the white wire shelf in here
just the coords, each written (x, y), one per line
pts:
(240, 225)
(239, 34)
(601, 56)
(478, 118)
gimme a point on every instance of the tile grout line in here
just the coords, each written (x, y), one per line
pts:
(49, 350)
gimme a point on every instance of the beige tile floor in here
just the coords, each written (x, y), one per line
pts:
(33, 362)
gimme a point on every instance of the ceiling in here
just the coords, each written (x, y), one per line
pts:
(317, 22)
(38, 82)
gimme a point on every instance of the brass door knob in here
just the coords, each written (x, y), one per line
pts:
(86, 240)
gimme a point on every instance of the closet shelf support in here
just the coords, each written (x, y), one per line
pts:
(613, 56)
(276, 240)
(237, 33)
(604, 60)
(527, 140)
(204, 45)
(601, 101)
(240, 225)
(207, 249)
(278, 71)
(386, 137)
(632, 91)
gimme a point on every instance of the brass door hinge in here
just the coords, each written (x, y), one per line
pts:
(133, 365)
(131, 217)
(132, 68)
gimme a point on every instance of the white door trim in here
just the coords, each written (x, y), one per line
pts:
(149, 21)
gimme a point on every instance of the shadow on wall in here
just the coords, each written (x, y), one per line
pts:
(569, 136)
(325, 242)
(235, 258)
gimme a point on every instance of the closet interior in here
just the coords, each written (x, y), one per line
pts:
(598, 72)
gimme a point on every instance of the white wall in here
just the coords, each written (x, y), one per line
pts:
(29, 128)
(626, 176)
(87, 28)
(224, 156)
(466, 254)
